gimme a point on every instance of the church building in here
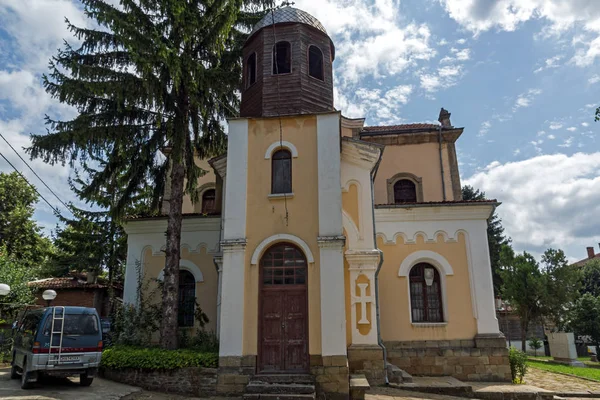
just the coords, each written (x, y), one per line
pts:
(323, 247)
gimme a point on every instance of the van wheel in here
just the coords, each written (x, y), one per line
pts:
(25, 377)
(14, 374)
(84, 380)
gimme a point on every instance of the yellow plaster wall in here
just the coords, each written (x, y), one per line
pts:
(350, 203)
(347, 132)
(422, 160)
(206, 292)
(394, 296)
(266, 217)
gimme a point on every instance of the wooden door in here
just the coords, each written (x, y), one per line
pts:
(283, 316)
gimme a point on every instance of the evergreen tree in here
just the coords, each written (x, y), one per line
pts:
(20, 235)
(495, 233)
(590, 278)
(155, 74)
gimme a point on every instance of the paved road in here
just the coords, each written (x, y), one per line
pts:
(62, 389)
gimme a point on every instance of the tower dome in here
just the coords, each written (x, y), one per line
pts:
(287, 66)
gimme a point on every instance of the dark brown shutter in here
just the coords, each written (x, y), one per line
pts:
(315, 62)
(425, 301)
(282, 58)
(208, 201)
(187, 298)
(405, 191)
(281, 172)
(251, 70)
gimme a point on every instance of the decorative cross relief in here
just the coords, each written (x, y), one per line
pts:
(362, 298)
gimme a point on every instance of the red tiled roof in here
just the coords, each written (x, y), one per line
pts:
(581, 263)
(433, 203)
(403, 127)
(73, 281)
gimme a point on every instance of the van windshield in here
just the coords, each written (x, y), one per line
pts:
(75, 324)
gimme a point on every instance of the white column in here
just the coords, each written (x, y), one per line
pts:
(363, 263)
(232, 299)
(331, 241)
(237, 177)
(333, 307)
(219, 264)
(480, 271)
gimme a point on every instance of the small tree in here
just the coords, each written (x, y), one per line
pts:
(585, 318)
(535, 344)
(522, 287)
(561, 287)
(590, 278)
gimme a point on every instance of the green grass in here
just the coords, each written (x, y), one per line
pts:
(590, 373)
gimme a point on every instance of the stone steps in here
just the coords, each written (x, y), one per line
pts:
(281, 387)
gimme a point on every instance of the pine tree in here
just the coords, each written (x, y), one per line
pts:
(155, 74)
(495, 233)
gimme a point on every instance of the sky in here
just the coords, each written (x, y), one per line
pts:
(521, 76)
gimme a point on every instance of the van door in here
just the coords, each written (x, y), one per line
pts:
(26, 336)
(81, 340)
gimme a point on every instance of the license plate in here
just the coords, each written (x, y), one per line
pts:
(69, 359)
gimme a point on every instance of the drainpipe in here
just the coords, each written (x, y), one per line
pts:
(441, 162)
(377, 317)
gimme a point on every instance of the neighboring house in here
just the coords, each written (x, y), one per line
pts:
(283, 250)
(77, 290)
(591, 256)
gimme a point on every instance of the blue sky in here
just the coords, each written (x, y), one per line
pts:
(521, 76)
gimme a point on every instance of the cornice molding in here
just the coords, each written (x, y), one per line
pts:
(159, 225)
(362, 259)
(231, 245)
(434, 213)
(220, 166)
(329, 242)
(361, 154)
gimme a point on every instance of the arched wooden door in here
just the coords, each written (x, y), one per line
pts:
(283, 311)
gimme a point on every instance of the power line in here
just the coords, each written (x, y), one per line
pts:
(31, 169)
(33, 187)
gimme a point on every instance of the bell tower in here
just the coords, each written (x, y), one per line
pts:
(287, 66)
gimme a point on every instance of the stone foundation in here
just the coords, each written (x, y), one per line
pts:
(234, 374)
(198, 382)
(479, 359)
(331, 376)
(367, 360)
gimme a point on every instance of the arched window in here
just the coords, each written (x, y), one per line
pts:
(208, 201)
(283, 264)
(315, 62)
(281, 172)
(282, 58)
(251, 70)
(425, 294)
(187, 298)
(405, 191)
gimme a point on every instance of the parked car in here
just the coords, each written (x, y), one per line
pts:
(57, 341)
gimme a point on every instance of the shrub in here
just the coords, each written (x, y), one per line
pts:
(205, 342)
(535, 344)
(153, 358)
(518, 364)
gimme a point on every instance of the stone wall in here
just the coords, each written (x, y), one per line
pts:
(234, 374)
(479, 359)
(200, 382)
(367, 360)
(331, 376)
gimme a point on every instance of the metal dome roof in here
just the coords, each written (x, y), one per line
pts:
(287, 14)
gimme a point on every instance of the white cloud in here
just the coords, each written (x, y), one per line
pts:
(384, 106)
(430, 82)
(516, 152)
(541, 133)
(556, 125)
(525, 99)
(594, 79)
(371, 40)
(567, 143)
(572, 129)
(549, 63)
(543, 198)
(485, 128)
(585, 124)
(461, 41)
(551, 137)
(558, 15)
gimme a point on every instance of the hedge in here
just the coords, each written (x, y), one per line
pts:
(121, 357)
